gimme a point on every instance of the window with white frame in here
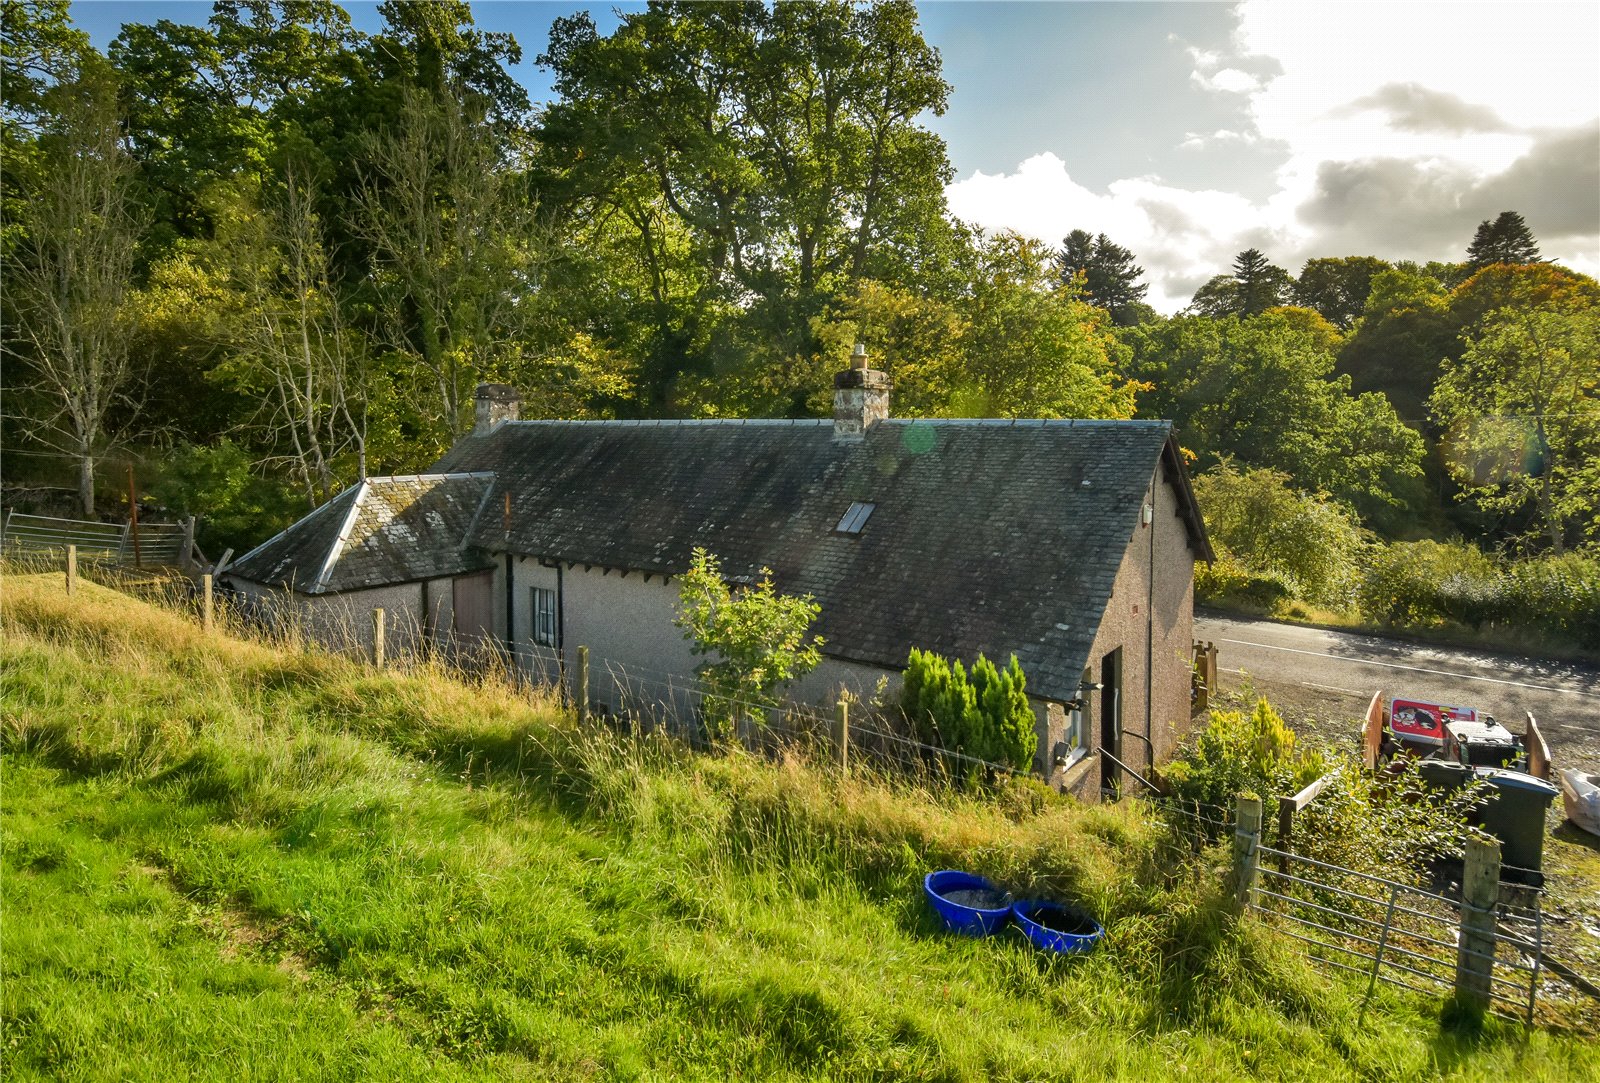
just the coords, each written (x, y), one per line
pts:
(544, 617)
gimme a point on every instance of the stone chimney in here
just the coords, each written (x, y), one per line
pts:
(495, 403)
(860, 398)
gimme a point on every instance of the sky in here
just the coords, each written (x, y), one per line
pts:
(1188, 132)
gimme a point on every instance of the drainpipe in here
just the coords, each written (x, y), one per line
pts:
(511, 622)
(1150, 629)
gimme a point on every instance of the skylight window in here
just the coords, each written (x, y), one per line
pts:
(854, 519)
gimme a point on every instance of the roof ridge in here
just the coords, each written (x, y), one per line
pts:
(449, 475)
(1035, 422)
(819, 422)
(321, 581)
(298, 522)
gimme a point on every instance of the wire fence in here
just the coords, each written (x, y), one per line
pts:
(628, 695)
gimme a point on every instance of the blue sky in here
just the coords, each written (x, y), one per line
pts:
(1189, 131)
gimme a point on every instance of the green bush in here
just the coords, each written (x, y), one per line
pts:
(1429, 584)
(753, 637)
(985, 714)
(1424, 583)
(1242, 753)
(1307, 545)
(233, 506)
(1227, 582)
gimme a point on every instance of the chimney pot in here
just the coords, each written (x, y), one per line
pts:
(858, 356)
(495, 403)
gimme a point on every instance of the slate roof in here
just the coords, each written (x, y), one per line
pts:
(382, 531)
(992, 536)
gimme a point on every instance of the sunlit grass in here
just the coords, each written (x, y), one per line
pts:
(224, 859)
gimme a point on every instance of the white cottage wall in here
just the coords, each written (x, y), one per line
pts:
(343, 621)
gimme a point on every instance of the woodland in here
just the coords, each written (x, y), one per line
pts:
(258, 259)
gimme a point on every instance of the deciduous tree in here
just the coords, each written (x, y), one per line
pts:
(1338, 288)
(1521, 414)
(753, 637)
(71, 276)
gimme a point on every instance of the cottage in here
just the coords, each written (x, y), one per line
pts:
(1070, 544)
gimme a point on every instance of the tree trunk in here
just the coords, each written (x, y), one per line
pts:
(86, 483)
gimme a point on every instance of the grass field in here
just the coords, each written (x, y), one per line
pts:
(230, 860)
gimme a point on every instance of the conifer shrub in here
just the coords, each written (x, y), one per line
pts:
(984, 714)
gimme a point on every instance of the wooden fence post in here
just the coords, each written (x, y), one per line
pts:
(582, 690)
(377, 638)
(841, 735)
(1246, 845)
(72, 567)
(186, 546)
(1287, 807)
(133, 518)
(1480, 891)
(207, 603)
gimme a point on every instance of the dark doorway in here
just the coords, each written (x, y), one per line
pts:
(1110, 712)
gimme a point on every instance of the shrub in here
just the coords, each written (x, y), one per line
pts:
(1426, 584)
(1309, 545)
(1227, 582)
(1357, 821)
(985, 715)
(1407, 583)
(1242, 753)
(755, 636)
(232, 505)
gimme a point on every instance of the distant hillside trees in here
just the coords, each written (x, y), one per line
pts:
(1262, 392)
(1338, 288)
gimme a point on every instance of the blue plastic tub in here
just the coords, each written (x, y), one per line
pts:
(1077, 931)
(967, 920)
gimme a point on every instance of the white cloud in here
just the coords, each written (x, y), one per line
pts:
(1182, 237)
(1231, 80)
(1442, 107)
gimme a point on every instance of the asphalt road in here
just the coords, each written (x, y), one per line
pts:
(1344, 669)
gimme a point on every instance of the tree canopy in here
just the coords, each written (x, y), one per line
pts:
(262, 257)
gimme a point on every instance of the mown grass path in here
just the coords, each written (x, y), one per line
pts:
(227, 860)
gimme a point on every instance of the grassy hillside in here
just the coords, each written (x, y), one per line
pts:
(229, 860)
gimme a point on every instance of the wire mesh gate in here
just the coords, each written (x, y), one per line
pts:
(1398, 933)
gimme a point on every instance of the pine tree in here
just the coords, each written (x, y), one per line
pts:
(1110, 275)
(1262, 285)
(1505, 240)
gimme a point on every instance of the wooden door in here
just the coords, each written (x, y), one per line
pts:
(472, 598)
